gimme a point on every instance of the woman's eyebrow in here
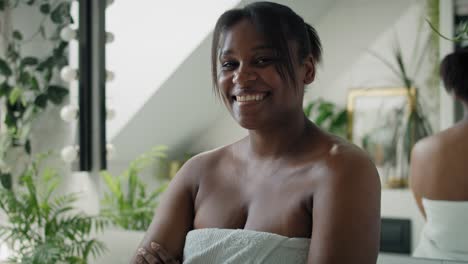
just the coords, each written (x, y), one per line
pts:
(226, 53)
(256, 48)
(263, 47)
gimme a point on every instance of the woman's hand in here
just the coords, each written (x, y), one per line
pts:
(155, 255)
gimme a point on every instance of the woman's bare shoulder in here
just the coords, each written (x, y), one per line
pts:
(434, 148)
(208, 161)
(345, 162)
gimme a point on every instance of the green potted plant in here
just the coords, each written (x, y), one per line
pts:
(328, 116)
(127, 202)
(43, 226)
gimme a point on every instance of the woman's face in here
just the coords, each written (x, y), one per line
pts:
(250, 84)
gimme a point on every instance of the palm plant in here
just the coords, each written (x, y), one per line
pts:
(133, 208)
(415, 125)
(44, 227)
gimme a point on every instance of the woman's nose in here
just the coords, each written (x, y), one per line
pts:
(243, 75)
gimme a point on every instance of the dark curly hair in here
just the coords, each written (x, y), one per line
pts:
(278, 24)
(454, 73)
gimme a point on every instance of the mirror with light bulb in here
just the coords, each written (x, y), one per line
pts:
(138, 78)
(162, 93)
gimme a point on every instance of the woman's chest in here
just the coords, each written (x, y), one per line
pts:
(280, 205)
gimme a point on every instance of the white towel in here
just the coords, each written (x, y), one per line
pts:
(232, 246)
(445, 235)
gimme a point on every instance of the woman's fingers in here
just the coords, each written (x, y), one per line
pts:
(147, 257)
(139, 259)
(163, 254)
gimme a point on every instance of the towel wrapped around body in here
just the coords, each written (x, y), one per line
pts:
(232, 246)
(444, 235)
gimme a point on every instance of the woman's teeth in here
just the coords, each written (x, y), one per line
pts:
(250, 98)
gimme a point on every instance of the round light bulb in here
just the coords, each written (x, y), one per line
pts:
(67, 34)
(110, 37)
(110, 76)
(69, 153)
(68, 74)
(110, 151)
(69, 113)
(110, 114)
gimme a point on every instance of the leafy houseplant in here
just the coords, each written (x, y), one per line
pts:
(415, 124)
(44, 227)
(328, 116)
(133, 208)
(28, 83)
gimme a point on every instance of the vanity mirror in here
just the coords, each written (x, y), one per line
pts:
(162, 93)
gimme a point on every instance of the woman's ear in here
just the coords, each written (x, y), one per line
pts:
(309, 70)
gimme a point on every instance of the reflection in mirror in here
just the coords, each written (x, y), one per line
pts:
(166, 112)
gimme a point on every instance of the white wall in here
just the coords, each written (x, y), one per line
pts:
(399, 203)
(153, 39)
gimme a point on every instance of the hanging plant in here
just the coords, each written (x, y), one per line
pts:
(28, 82)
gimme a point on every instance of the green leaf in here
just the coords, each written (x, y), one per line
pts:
(47, 63)
(34, 84)
(41, 101)
(29, 61)
(48, 74)
(24, 78)
(56, 17)
(60, 13)
(17, 35)
(10, 119)
(15, 94)
(4, 68)
(5, 89)
(56, 93)
(6, 180)
(308, 109)
(27, 147)
(12, 53)
(59, 51)
(339, 123)
(324, 114)
(45, 8)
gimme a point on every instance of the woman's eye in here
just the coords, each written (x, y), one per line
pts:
(228, 65)
(264, 60)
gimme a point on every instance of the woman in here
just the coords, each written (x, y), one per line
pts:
(286, 193)
(439, 178)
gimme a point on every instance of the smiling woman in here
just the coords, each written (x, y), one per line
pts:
(288, 192)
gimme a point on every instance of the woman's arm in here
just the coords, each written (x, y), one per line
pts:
(173, 218)
(346, 212)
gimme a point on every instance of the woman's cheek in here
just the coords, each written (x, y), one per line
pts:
(225, 83)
